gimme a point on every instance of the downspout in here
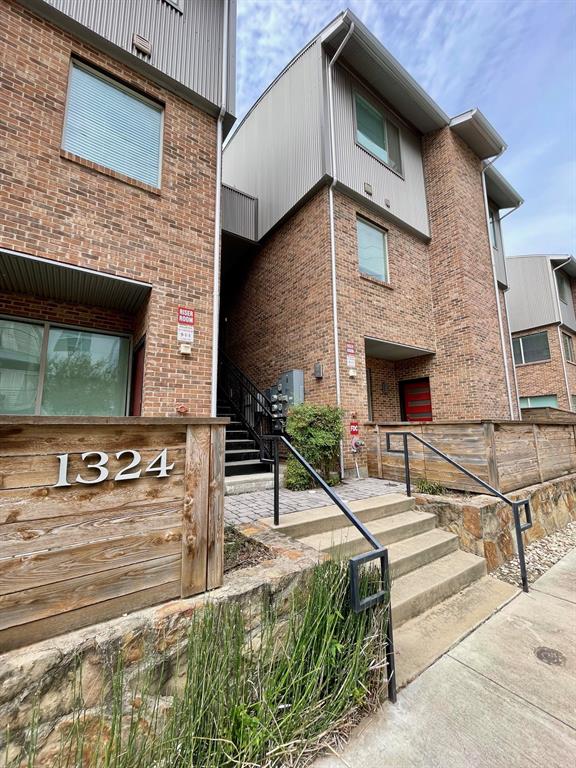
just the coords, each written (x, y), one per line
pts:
(563, 356)
(332, 228)
(217, 217)
(497, 290)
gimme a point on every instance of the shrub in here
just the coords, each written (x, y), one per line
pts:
(271, 704)
(430, 487)
(315, 431)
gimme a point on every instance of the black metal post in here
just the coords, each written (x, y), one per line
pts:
(390, 657)
(406, 465)
(276, 483)
(520, 545)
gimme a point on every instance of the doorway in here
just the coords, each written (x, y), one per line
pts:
(416, 400)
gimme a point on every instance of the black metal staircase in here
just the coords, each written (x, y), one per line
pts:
(242, 451)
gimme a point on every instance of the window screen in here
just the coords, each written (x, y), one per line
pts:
(377, 134)
(372, 250)
(112, 126)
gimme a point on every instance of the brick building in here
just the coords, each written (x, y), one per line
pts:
(543, 324)
(362, 241)
(109, 222)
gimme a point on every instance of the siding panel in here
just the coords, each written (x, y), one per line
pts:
(239, 213)
(531, 299)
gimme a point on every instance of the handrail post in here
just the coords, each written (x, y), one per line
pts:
(520, 545)
(276, 483)
(390, 655)
(406, 464)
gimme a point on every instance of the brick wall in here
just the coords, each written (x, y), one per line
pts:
(60, 209)
(547, 377)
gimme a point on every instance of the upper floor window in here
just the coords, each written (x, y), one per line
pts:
(372, 250)
(112, 125)
(563, 287)
(568, 348)
(492, 217)
(377, 134)
(539, 401)
(531, 349)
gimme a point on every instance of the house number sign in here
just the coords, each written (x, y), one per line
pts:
(98, 461)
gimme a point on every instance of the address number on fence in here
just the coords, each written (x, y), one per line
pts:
(98, 461)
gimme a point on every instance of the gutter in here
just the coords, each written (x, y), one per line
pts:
(497, 293)
(563, 356)
(332, 228)
(217, 217)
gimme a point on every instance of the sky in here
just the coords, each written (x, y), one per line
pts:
(513, 59)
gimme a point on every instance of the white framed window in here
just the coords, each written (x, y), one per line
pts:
(492, 218)
(532, 348)
(377, 134)
(568, 345)
(54, 370)
(372, 250)
(563, 287)
(539, 401)
(112, 125)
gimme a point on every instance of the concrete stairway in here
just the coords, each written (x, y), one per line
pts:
(243, 470)
(426, 565)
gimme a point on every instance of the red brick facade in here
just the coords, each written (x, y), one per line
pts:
(76, 212)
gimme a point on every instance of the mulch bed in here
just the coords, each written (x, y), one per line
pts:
(242, 551)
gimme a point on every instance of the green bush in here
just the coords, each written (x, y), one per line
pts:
(270, 704)
(430, 487)
(315, 431)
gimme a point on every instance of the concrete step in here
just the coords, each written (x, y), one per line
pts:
(259, 481)
(329, 518)
(412, 553)
(419, 590)
(348, 541)
(418, 643)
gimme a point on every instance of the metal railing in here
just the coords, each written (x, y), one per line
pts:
(378, 551)
(516, 505)
(251, 405)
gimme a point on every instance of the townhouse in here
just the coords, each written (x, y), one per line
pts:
(113, 115)
(362, 241)
(543, 324)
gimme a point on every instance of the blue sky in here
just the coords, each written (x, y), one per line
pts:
(514, 60)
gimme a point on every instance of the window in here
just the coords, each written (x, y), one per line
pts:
(568, 347)
(113, 126)
(61, 371)
(492, 217)
(563, 287)
(372, 250)
(377, 134)
(531, 349)
(540, 401)
(573, 401)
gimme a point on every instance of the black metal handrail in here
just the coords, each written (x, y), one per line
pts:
(355, 563)
(251, 405)
(516, 505)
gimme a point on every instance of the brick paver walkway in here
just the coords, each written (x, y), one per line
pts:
(248, 507)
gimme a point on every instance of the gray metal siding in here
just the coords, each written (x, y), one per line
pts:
(276, 154)
(499, 258)
(186, 47)
(355, 166)
(567, 310)
(239, 213)
(532, 297)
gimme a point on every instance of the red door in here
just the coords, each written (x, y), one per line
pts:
(416, 400)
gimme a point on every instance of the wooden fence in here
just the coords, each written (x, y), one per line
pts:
(507, 454)
(99, 517)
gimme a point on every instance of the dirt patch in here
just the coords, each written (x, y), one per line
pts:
(242, 551)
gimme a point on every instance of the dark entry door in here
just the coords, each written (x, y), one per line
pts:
(416, 400)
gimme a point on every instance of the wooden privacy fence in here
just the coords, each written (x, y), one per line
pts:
(99, 517)
(507, 454)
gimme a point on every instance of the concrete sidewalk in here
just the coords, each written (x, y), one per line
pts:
(505, 697)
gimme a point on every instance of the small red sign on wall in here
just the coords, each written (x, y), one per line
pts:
(185, 316)
(354, 428)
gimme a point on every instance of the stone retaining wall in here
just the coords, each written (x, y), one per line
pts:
(485, 526)
(44, 677)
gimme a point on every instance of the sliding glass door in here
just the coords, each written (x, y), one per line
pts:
(57, 371)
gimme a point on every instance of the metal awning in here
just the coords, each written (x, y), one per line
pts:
(389, 350)
(500, 191)
(21, 273)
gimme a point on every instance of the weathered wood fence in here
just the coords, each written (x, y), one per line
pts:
(100, 517)
(507, 454)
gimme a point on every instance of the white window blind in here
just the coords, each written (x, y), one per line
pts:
(113, 126)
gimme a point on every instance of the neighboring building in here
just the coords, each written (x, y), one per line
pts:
(357, 240)
(112, 117)
(543, 324)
